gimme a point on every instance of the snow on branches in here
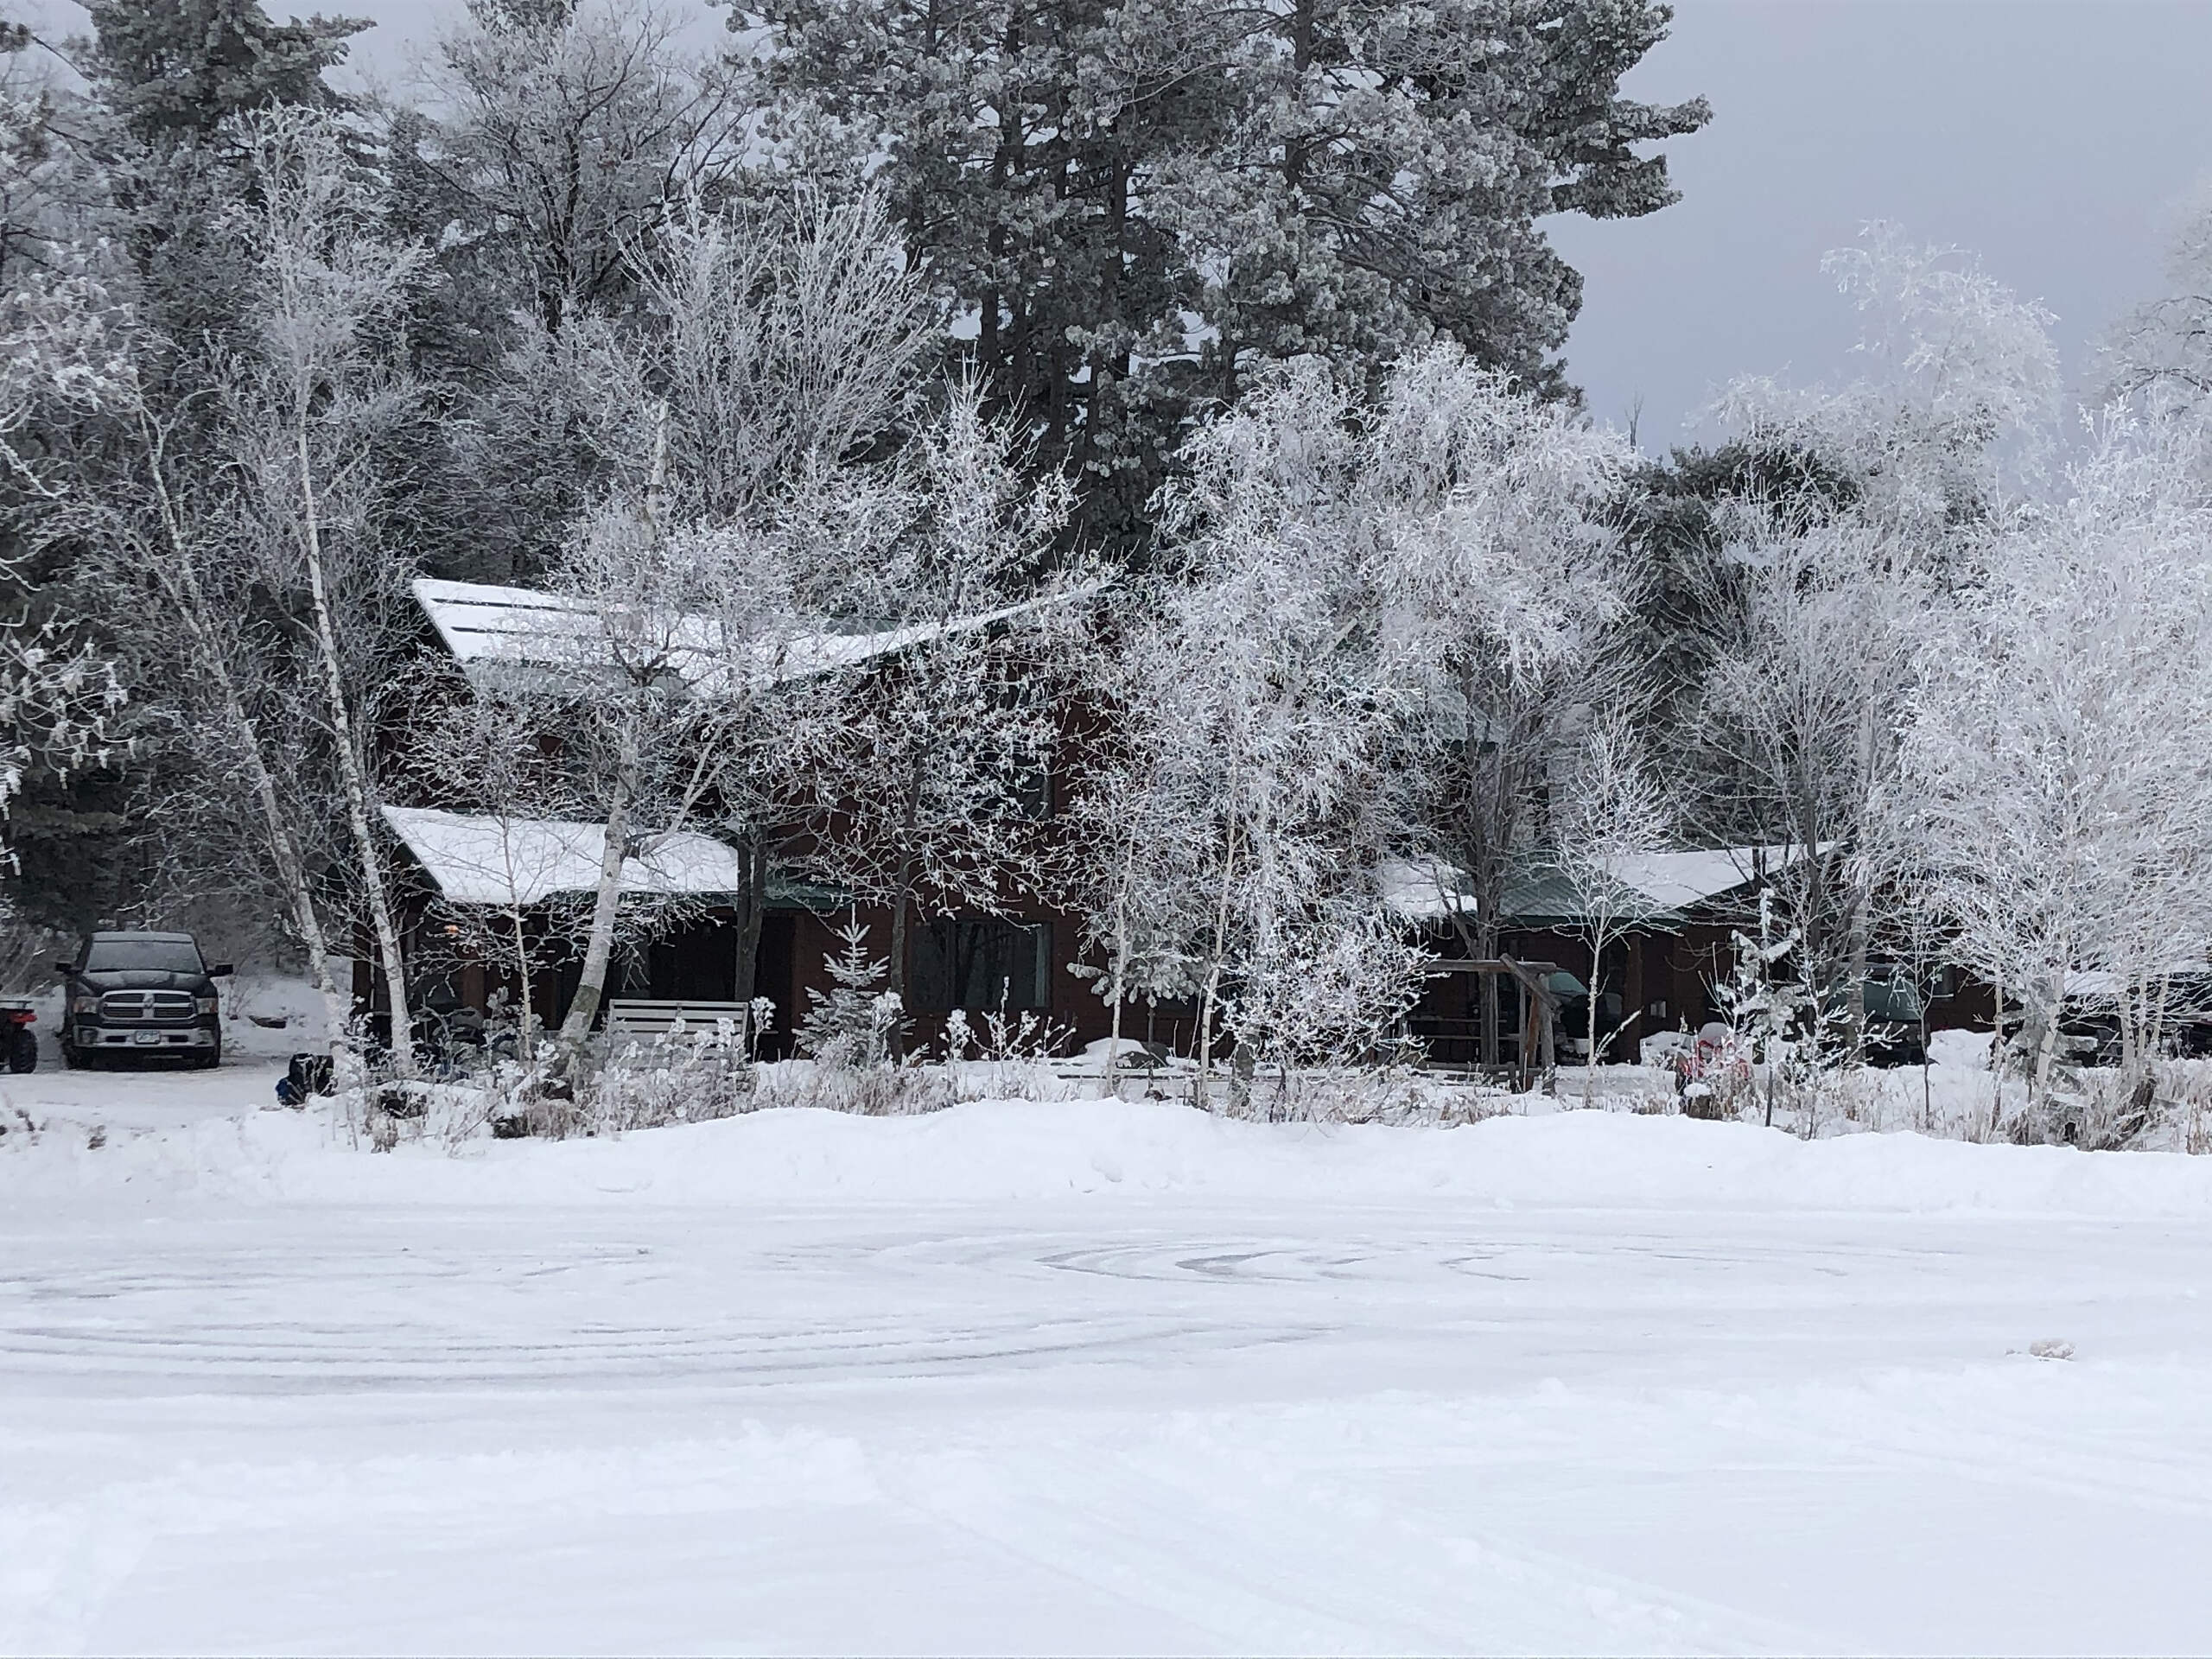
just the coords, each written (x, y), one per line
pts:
(2054, 768)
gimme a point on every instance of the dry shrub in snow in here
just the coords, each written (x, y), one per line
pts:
(885, 1091)
(638, 1084)
(2163, 1104)
(676, 1079)
(1348, 1095)
(2193, 1107)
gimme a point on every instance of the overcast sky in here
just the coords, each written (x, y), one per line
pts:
(2055, 137)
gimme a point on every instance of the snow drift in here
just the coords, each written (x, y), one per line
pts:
(1016, 1151)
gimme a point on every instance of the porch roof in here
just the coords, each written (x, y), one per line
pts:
(482, 858)
(1666, 885)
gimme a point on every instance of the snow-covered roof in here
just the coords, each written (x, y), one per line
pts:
(2106, 982)
(483, 624)
(493, 630)
(1669, 884)
(1678, 880)
(1424, 889)
(481, 859)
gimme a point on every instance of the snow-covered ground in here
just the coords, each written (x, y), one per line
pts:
(1090, 1377)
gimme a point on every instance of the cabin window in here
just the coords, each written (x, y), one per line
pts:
(983, 963)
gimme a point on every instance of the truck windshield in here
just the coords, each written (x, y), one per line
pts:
(142, 957)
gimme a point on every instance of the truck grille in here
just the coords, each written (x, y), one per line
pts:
(146, 1005)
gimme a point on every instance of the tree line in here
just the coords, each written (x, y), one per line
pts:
(1218, 350)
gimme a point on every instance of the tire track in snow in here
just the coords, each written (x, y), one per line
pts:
(1210, 1536)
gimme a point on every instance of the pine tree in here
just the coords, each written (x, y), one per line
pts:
(175, 69)
(1130, 204)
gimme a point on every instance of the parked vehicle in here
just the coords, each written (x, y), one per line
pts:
(146, 995)
(2090, 1031)
(1896, 1013)
(18, 1042)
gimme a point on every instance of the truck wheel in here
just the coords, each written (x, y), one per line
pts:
(23, 1050)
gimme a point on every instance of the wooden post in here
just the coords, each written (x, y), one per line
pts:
(1634, 996)
(1539, 1023)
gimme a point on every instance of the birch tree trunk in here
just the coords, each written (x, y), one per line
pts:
(605, 908)
(1113, 1085)
(349, 765)
(1861, 927)
(525, 1016)
(181, 576)
(1213, 975)
(902, 899)
(1598, 935)
(1997, 1057)
(1862, 895)
(752, 914)
(902, 895)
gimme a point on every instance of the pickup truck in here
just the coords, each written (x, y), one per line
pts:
(143, 995)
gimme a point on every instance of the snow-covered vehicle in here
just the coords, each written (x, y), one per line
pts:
(148, 995)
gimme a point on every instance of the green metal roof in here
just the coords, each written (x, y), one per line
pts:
(1669, 888)
(788, 892)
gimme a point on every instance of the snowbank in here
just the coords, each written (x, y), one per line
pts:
(1011, 1151)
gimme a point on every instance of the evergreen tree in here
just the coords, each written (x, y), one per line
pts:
(857, 1022)
(1129, 205)
(174, 69)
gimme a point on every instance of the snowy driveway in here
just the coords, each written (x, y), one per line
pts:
(1173, 1420)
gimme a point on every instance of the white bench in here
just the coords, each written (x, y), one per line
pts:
(629, 1016)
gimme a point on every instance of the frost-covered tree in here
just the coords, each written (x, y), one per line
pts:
(2160, 354)
(858, 1022)
(1498, 566)
(1811, 591)
(2053, 768)
(51, 182)
(1609, 816)
(785, 336)
(233, 774)
(1959, 395)
(1133, 829)
(771, 345)
(1820, 624)
(1271, 712)
(567, 129)
(660, 682)
(231, 533)
(568, 149)
(305, 415)
(930, 775)
(58, 698)
(764, 345)
(1385, 169)
(62, 353)
(485, 751)
(1366, 596)
(175, 70)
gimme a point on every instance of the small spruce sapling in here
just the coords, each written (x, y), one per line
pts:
(854, 1025)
